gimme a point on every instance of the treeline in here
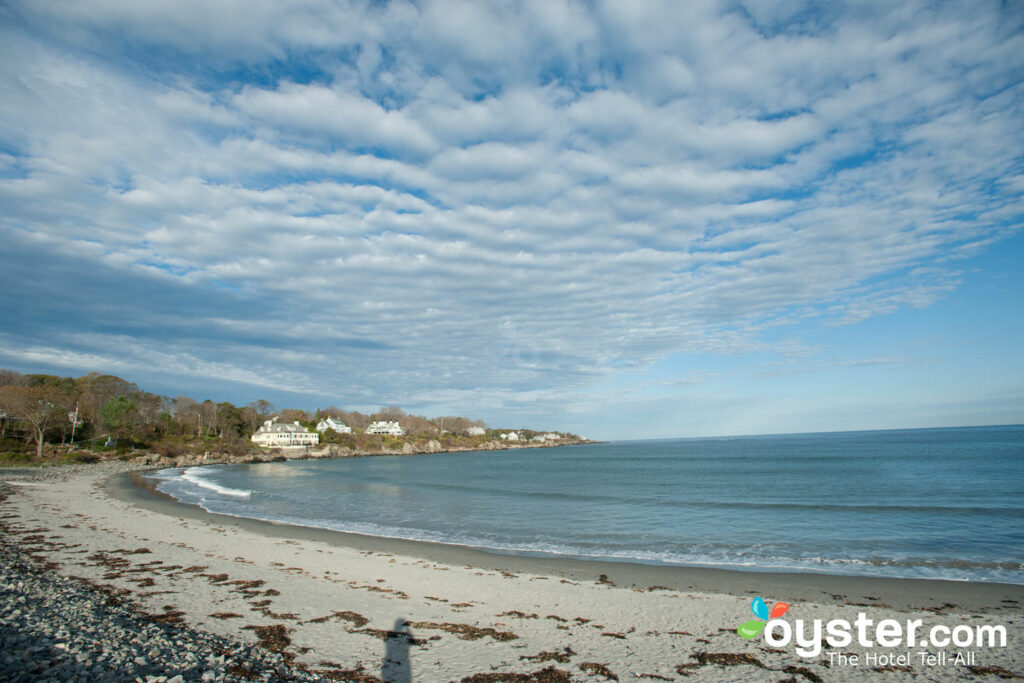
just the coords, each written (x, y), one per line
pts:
(105, 411)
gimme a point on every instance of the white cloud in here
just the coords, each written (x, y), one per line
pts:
(337, 115)
(499, 195)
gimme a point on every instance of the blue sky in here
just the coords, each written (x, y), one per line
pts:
(625, 219)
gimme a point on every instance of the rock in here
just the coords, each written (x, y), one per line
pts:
(65, 630)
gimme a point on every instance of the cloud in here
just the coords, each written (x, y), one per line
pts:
(339, 116)
(465, 200)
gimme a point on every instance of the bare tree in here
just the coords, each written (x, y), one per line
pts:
(11, 378)
(263, 408)
(209, 413)
(457, 425)
(391, 413)
(186, 412)
(251, 417)
(40, 406)
(294, 415)
(355, 419)
(95, 390)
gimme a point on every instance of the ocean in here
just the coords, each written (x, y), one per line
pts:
(926, 503)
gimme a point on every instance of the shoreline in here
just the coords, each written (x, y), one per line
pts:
(133, 487)
(332, 451)
(335, 606)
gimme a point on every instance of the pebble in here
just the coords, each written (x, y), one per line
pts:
(56, 628)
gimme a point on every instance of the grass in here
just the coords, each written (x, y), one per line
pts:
(29, 459)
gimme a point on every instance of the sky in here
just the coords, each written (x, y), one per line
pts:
(622, 219)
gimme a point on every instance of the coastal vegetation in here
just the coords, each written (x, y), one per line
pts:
(66, 419)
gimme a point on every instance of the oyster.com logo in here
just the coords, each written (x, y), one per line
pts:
(810, 636)
(752, 629)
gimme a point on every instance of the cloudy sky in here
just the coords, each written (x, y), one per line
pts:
(626, 219)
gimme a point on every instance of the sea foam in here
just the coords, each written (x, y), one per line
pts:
(193, 475)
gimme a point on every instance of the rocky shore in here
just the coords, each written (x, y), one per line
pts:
(56, 628)
(335, 451)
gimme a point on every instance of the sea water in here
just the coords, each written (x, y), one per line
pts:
(939, 503)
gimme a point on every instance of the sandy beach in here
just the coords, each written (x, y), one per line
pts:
(352, 607)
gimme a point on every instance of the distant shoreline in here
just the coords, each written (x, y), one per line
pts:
(330, 451)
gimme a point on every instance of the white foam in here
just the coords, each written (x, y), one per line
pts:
(192, 475)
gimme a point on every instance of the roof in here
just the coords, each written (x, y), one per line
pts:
(280, 428)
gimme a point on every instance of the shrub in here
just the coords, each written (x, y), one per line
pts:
(8, 459)
(169, 449)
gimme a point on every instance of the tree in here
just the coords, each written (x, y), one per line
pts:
(208, 409)
(150, 408)
(118, 415)
(230, 420)
(39, 406)
(258, 412)
(354, 419)
(293, 415)
(65, 384)
(186, 413)
(11, 378)
(251, 418)
(96, 389)
(456, 425)
(391, 413)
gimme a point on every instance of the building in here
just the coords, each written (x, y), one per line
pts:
(388, 427)
(274, 434)
(330, 423)
(475, 431)
(510, 436)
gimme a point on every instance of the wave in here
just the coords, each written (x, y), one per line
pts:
(192, 476)
(724, 557)
(648, 501)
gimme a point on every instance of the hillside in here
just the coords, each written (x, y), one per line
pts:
(52, 418)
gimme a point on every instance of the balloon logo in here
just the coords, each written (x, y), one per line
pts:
(753, 628)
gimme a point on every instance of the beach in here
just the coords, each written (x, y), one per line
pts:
(350, 607)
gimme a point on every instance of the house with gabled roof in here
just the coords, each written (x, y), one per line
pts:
(330, 423)
(274, 434)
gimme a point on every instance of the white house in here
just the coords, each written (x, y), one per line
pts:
(475, 431)
(510, 436)
(276, 434)
(387, 427)
(330, 423)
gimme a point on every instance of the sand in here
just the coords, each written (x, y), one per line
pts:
(335, 601)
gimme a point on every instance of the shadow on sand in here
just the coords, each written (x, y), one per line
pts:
(396, 667)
